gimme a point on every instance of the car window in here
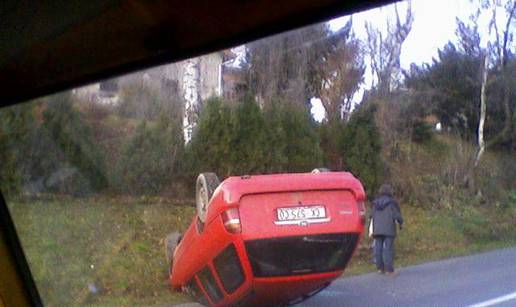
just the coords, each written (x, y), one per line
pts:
(210, 285)
(195, 292)
(418, 95)
(228, 267)
(296, 255)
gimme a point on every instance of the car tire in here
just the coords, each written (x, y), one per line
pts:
(204, 188)
(320, 170)
(171, 242)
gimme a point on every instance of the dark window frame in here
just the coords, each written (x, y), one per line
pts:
(214, 293)
(194, 290)
(230, 286)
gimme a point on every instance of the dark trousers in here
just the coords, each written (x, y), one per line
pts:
(384, 252)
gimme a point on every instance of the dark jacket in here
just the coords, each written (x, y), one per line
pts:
(385, 213)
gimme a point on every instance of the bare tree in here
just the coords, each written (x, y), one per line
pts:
(343, 72)
(384, 52)
(287, 65)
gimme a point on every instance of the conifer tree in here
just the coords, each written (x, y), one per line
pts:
(74, 140)
(361, 147)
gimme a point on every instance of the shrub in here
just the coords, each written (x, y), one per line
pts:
(150, 159)
(247, 141)
(421, 131)
(244, 139)
(46, 146)
(75, 143)
(292, 140)
(210, 147)
(361, 147)
(95, 111)
(331, 137)
(15, 129)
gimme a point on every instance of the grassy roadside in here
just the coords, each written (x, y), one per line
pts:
(99, 251)
(108, 252)
(435, 235)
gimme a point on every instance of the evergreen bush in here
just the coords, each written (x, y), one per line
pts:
(244, 139)
(361, 148)
(150, 160)
(75, 146)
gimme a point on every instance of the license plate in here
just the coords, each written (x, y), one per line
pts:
(301, 215)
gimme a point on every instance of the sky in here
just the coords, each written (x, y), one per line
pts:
(434, 26)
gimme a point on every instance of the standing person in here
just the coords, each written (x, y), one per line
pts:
(386, 212)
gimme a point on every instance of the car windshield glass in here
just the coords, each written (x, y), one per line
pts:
(296, 255)
(195, 292)
(417, 95)
(210, 285)
(228, 267)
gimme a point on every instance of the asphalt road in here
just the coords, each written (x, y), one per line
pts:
(487, 279)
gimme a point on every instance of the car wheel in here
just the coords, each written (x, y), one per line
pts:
(171, 242)
(320, 170)
(204, 188)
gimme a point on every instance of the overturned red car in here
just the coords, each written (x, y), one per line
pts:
(268, 239)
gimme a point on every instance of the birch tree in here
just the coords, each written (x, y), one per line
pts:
(498, 48)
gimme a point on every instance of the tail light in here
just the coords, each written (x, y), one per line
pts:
(231, 220)
(361, 212)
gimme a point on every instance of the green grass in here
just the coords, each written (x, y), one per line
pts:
(116, 245)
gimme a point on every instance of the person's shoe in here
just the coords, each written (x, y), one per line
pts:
(392, 274)
(380, 272)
